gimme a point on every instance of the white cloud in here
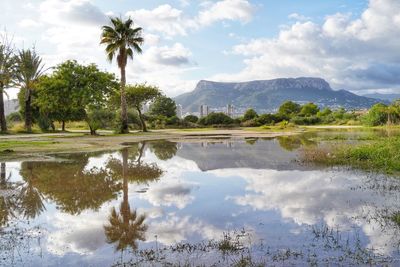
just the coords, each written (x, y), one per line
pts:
(354, 54)
(171, 21)
(298, 17)
(29, 23)
(240, 10)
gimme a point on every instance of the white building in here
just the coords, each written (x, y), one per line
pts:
(179, 111)
(204, 110)
(230, 111)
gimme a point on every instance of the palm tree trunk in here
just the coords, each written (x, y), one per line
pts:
(144, 128)
(124, 113)
(3, 123)
(125, 202)
(3, 174)
(28, 113)
(63, 126)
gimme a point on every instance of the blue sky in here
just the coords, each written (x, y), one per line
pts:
(354, 44)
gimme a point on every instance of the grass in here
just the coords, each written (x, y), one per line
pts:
(379, 155)
(8, 146)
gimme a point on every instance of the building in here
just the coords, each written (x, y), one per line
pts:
(179, 112)
(204, 110)
(230, 110)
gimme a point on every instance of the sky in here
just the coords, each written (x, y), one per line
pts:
(354, 45)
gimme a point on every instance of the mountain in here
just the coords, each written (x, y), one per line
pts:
(385, 97)
(268, 95)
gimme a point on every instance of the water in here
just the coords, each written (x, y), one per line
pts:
(221, 202)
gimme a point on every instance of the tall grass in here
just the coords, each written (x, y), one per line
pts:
(380, 155)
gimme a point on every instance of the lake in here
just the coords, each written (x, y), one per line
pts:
(220, 202)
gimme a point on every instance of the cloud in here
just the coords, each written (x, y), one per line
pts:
(342, 200)
(356, 54)
(298, 17)
(171, 21)
(72, 12)
(240, 10)
(175, 55)
(29, 23)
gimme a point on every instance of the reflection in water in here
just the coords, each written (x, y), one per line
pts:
(127, 227)
(196, 194)
(72, 187)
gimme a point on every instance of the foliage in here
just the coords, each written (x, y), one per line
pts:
(14, 117)
(309, 109)
(122, 38)
(99, 119)
(376, 115)
(164, 106)
(378, 155)
(216, 118)
(73, 91)
(264, 119)
(29, 70)
(138, 95)
(289, 108)
(191, 118)
(250, 114)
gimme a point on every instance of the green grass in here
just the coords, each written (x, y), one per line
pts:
(379, 155)
(12, 144)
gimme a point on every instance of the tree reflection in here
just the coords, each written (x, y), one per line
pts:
(8, 200)
(126, 226)
(72, 187)
(291, 143)
(164, 150)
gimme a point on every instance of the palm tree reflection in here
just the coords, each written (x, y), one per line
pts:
(126, 226)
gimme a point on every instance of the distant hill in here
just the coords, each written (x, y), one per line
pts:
(385, 97)
(268, 95)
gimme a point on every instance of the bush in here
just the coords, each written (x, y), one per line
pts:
(215, 119)
(14, 117)
(191, 118)
(305, 120)
(267, 119)
(174, 120)
(44, 123)
(250, 123)
(99, 118)
(250, 114)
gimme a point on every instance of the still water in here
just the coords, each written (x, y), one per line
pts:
(216, 202)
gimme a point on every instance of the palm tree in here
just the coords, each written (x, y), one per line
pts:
(29, 70)
(122, 39)
(126, 226)
(7, 71)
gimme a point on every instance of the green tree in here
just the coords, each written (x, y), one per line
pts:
(122, 40)
(377, 115)
(191, 118)
(140, 94)
(250, 114)
(163, 106)
(29, 70)
(216, 118)
(7, 72)
(325, 112)
(289, 109)
(75, 92)
(309, 109)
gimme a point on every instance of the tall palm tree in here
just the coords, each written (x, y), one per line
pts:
(29, 69)
(7, 71)
(122, 40)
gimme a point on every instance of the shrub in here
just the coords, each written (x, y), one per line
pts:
(44, 123)
(264, 119)
(250, 114)
(191, 118)
(215, 119)
(14, 117)
(99, 118)
(250, 123)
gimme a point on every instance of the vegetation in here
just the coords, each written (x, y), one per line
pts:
(381, 154)
(122, 40)
(216, 118)
(29, 70)
(7, 72)
(140, 94)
